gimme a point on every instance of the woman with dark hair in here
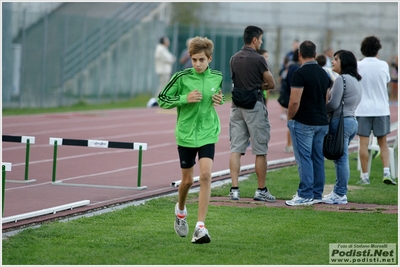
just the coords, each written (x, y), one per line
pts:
(345, 63)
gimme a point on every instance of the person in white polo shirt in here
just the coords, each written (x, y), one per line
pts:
(373, 112)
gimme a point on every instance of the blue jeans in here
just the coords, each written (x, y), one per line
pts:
(307, 147)
(342, 165)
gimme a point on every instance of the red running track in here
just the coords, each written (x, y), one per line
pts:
(108, 166)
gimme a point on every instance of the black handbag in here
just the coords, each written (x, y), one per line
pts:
(333, 148)
(244, 98)
(283, 98)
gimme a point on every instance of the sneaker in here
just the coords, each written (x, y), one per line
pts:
(289, 149)
(363, 181)
(387, 179)
(299, 201)
(334, 198)
(234, 194)
(317, 201)
(201, 236)
(263, 196)
(152, 102)
(376, 154)
(180, 225)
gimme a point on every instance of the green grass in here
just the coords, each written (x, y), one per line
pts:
(284, 183)
(240, 235)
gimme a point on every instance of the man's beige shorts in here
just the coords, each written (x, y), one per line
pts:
(249, 123)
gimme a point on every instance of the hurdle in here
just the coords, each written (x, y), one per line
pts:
(98, 144)
(22, 139)
(6, 167)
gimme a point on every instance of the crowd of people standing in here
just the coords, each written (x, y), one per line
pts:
(317, 88)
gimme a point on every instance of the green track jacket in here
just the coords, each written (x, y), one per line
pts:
(197, 124)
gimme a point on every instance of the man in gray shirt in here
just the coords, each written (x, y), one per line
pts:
(250, 73)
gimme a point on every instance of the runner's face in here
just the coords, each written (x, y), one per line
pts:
(200, 62)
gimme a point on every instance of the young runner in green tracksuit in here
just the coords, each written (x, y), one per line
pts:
(195, 92)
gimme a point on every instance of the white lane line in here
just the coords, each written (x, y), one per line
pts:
(98, 127)
(98, 174)
(56, 118)
(129, 135)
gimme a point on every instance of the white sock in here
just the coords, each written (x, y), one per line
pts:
(199, 223)
(180, 212)
(386, 170)
(365, 175)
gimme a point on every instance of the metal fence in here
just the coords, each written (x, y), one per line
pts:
(63, 59)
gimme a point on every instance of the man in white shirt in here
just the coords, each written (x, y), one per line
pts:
(373, 112)
(164, 60)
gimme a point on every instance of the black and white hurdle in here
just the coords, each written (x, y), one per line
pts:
(28, 140)
(99, 144)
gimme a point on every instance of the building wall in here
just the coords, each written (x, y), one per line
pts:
(35, 9)
(341, 25)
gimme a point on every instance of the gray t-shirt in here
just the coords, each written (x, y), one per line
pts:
(352, 96)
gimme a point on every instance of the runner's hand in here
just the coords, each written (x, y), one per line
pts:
(217, 98)
(194, 96)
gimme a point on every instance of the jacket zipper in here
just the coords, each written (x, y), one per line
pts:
(198, 108)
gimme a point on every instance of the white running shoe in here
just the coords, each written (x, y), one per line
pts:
(152, 103)
(180, 225)
(387, 179)
(201, 236)
(334, 198)
(363, 181)
(234, 194)
(299, 201)
(317, 201)
(260, 195)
